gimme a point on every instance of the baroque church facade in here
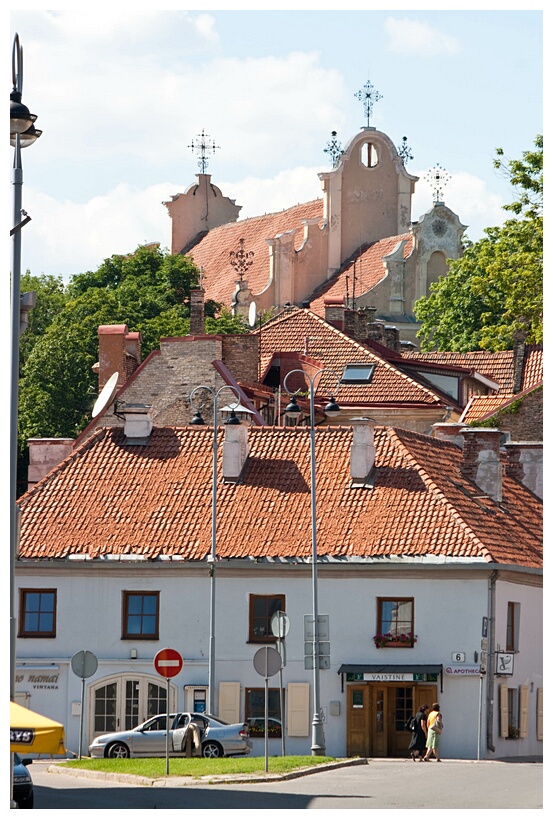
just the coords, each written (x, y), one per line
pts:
(357, 245)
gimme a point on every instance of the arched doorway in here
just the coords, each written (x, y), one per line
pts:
(122, 701)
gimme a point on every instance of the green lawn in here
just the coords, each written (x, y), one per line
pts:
(196, 767)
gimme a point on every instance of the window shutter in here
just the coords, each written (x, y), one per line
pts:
(229, 702)
(523, 711)
(298, 709)
(503, 711)
(539, 713)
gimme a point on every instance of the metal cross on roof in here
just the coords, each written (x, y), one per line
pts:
(404, 151)
(205, 146)
(438, 178)
(241, 259)
(334, 149)
(368, 95)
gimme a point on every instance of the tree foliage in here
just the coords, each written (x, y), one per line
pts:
(148, 290)
(495, 288)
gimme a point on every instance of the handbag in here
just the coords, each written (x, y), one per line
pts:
(438, 724)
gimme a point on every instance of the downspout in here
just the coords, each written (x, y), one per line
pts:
(491, 661)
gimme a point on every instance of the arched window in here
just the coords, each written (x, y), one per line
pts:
(369, 155)
(436, 267)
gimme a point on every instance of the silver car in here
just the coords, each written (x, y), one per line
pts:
(217, 738)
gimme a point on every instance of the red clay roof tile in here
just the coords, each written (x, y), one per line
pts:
(369, 270)
(211, 251)
(112, 499)
(299, 330)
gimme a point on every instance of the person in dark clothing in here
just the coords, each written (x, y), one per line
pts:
(417, 746)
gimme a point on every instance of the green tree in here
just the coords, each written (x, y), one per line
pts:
(495, 288)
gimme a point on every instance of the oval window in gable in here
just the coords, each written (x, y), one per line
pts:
(369, 155)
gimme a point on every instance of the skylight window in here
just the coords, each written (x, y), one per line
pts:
(358, 373)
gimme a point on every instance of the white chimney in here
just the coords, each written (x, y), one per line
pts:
(449, 431)
(362, 449)
(481, 462)
(525, 464)
(138, 423)
(235, 450)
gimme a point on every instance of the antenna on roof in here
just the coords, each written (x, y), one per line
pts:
(106, 396)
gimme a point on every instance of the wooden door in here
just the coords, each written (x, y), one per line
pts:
(358, 720)
(379, 721)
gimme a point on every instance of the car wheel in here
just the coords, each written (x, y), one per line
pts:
(117, 750)
(26, 803)
(212, 750)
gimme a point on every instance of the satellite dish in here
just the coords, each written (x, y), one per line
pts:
(106, 396)
(252, 315)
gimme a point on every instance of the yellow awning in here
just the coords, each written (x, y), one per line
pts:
(31, 733)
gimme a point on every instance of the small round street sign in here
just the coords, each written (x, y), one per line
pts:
(84, 664)
(267, 661)
(168, 662)
(280, 624)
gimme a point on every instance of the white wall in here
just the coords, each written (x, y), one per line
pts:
(449, 606)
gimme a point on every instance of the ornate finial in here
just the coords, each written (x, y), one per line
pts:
(368, 95)
(334, 150)
(205, 146)
(404, 151)
(241, 259)
(437, 177)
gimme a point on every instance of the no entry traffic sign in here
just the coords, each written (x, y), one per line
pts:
(168, 662)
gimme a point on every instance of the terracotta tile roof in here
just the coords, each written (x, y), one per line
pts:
(212, 250)
(481, 407)
(369, 271)
(497, 366)
(296, 328)
(533, 365)
(109, 499)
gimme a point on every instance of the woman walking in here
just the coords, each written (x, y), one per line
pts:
(418, 738)
(435, 725)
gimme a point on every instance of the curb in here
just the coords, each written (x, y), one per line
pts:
(182, 781)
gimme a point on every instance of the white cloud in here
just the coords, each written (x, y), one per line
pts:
(75, 237)
(408, 36)
(259, 196)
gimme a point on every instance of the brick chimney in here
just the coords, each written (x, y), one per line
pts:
(118, 351)
(235, 451)
(334, 313)
(391, 338)
(362, 451)
(449, 431)
(481, 462)
(525, 464)
(44, 455)
(197, 325)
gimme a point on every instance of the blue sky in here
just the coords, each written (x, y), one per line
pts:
(121, 97)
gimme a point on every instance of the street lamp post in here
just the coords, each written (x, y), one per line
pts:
(197, 420)
(22, 134)
(318, 746)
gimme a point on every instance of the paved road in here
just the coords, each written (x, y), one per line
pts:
(393, 784)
